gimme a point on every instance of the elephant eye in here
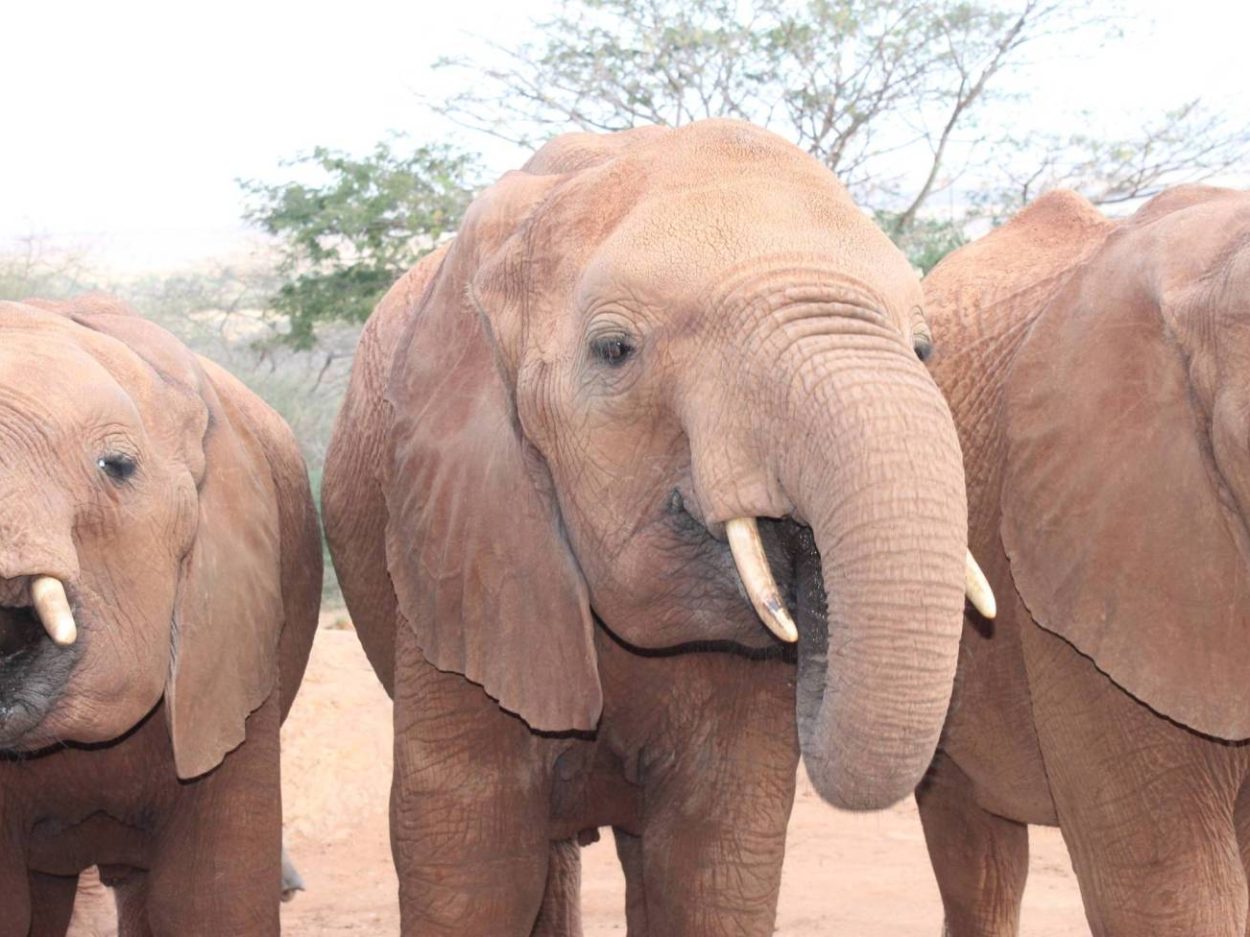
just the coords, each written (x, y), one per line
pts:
(116, 466)
(612, 350)
(921, 337)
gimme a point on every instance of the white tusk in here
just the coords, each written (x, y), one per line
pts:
(757, 578)
(977, 588)
(52, 606)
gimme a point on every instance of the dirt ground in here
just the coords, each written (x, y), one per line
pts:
(861, 875)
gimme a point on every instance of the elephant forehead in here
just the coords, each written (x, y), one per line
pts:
(51, 377)
(67, 379)
(696, 247)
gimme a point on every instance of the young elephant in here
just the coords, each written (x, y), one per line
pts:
(646, 359)
(159, 579)
(1099, 374)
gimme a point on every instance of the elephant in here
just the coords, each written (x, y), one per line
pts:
(160, 577)
(1097, 372)
(662, 387)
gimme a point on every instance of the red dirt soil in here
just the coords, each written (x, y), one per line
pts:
(865, 875)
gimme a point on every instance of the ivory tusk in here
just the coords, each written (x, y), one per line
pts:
(52, 606)
(757, 578)
(977, 588)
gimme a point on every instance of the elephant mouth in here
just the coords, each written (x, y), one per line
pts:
(794, 562)
(764, 551)
(33, 673)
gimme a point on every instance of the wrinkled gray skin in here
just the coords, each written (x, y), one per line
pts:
(174, 507)
(630, 342)
(1099, 375)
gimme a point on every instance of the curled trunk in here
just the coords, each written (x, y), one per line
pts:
(879, 479)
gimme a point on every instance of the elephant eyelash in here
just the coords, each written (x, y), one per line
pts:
(118, 467)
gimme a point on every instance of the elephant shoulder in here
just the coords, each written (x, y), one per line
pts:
(391, 317)
(982, 299)
(352, 503)
(1005, 273)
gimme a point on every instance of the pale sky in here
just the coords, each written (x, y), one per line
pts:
(125, 124)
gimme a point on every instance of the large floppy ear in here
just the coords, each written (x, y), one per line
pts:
(228, 613)
(474, 543)
(1112, 514)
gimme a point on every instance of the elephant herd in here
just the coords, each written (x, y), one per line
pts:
(662, 475)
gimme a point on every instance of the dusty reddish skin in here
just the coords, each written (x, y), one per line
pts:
(1099, 374)
(492, 481)
(177, 797)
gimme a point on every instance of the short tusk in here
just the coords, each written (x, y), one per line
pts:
(977, 588)
(52, 606)
(757, 578)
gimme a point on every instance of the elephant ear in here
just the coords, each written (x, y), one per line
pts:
(474, 542)
(228, 613)
(1112, 513)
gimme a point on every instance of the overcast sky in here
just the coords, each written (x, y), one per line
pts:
(125, 124)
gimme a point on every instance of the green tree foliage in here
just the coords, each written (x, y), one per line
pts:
(928, 239)
(347, 237)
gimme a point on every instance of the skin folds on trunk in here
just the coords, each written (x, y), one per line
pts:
(879, 479)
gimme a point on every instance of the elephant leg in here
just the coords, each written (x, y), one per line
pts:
(470, 807)
(216, 870)
(1146, 807)
(15, 885)
(51, 903)
(561, 911)
(1241, 817)
(131, 894)
(718, 799)
(980, 860)
(629, 852)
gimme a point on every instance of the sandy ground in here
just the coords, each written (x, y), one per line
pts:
(865, 875)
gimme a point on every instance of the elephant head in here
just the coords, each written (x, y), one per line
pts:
(639, 351)
(139, 537)
(1127, 488)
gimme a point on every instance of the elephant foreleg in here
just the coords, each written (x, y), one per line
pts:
(980, 860)
(1146, 807)
(470, 807)
(216, 869)
(629, 852)
(561, 911)
(51, 903)
(130, 893)
(717, 802)
(15, 887)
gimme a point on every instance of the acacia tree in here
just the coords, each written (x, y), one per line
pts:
(897, 98)
(854, 82)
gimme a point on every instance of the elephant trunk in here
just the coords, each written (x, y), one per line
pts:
(878, 477)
